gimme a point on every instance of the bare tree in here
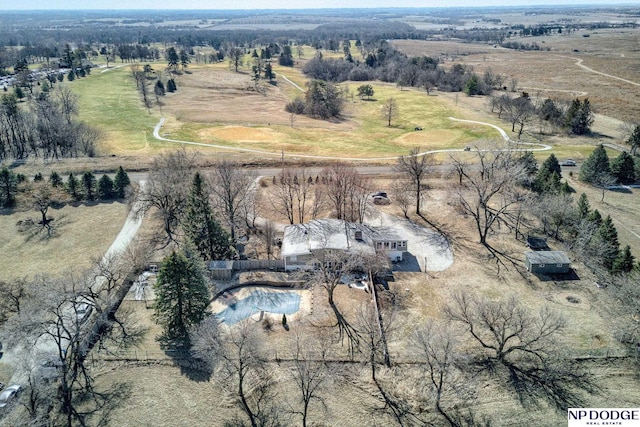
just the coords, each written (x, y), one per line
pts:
(140, 77)
(231, 189)
(67, 101)
(167, 190)
(414, 168)
(519, 344)
(489, 188)
(444, 385)
(13, 293)
(347, 190)
(554, 211)
(402, 196)
(389, 110)
(61, 321)
(520, 112)
(331, 267)
(235, 57)
(239, 356)
(310, 373)
(40, 196)
(283, 194)
(374, 327)
(249, 208)
(268, 234)
(319, 200)
(604, 180)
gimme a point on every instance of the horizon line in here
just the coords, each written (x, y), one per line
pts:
(494, 6)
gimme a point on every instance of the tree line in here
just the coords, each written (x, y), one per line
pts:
(44, 126)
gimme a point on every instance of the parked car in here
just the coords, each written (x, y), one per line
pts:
(568, 162)
(9, 394)
(379, 200)
(49, 369)
(83, 311)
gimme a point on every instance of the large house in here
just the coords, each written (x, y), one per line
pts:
(301, 242)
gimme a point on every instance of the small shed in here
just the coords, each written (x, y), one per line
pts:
(547, 262)
(537, 243)
(221, 270)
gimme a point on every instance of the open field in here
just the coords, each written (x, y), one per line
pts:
(109, 101)
(83, 232)
(558, 73)
(215, 105)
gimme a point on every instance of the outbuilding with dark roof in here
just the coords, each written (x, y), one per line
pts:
(547, 262)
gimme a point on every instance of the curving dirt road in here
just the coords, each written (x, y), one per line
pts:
(579, 64)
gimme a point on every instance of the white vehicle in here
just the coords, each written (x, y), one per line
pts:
(8, 394)
(83, 311)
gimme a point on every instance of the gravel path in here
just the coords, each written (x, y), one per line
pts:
(156, 135)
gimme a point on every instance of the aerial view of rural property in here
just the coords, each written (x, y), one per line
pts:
(377, 213)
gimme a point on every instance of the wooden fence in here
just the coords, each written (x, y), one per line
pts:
(246, 265)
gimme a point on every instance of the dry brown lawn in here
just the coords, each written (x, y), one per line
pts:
(163, 396)
(82, 233)
(556, 73)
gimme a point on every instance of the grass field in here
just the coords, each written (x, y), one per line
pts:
(215, 105)
(557, 73)
(83, 233)
(109, 101)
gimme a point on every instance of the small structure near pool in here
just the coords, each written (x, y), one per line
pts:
(547, 262)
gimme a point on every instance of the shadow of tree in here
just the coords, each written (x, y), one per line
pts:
(192, 367)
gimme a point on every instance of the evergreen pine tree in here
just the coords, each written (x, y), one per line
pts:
(565, 188)
(579, 117)
(607, 240)
(105, 188)
(182, 296)
(597, 163)
(595, 217)
(548, 178)
(634, 140)
(120, 183)
(583, 206)
(200, 226)
(55, 180)
(624, 261)
(8, 188)
(89, 185)
(623, 168)
(38, 177)
(73, 187)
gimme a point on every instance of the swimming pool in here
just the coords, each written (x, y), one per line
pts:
(277, 302)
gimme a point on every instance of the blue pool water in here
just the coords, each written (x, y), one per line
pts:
(271, 302)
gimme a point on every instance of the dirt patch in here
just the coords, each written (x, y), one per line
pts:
(242, 134)
(572, 299)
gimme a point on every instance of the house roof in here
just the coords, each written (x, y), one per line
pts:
(301, 239)
(547, 257)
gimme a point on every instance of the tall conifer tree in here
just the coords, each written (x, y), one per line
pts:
(182, 296)
(201, 227)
